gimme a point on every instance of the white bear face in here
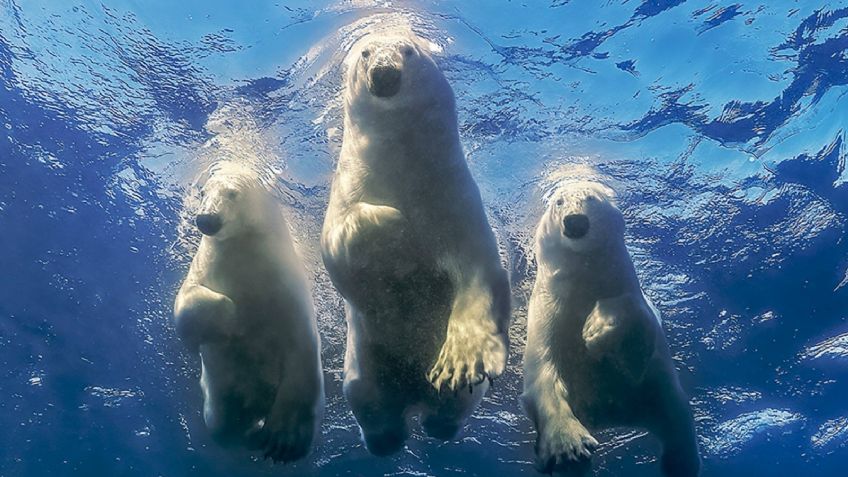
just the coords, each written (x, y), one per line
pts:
(581, 218)
(229, 206)
(391, 72)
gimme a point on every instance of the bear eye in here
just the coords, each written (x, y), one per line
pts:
(407, 51)
(366, 54)
(559, 201)
(231, 194)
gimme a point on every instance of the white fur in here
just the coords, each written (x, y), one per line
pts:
(246, 307)
(407, 243)
(596, 354)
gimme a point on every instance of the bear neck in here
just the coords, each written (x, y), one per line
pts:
(404, 142)
(606, 272)
(251, 240)
(434, 116)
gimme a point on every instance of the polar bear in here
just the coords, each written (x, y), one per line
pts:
(596, 355)
(407, 243)
(246, 308)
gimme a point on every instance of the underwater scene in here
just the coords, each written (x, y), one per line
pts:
(246, 238)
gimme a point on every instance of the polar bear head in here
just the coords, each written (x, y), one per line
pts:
(581, 218)
(394, 71)
(233, 201)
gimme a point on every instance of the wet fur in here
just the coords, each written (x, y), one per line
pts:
(246, 308)
(407, 243)
(596, 355)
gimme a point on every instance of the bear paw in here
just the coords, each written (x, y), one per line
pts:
(467, 358)
(561, 446)
(622, 329)
(286, 438)
(202, 316)
(600, 334)
(368, 225)
(387, 442)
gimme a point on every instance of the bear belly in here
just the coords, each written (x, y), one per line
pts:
(599, 393)
(238, 388)
(405, 319)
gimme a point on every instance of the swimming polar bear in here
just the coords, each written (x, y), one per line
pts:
(596, 354)
(407, 243)
(247, 309)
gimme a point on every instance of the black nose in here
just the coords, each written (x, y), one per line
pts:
(385, 81)
(575, 226)
(209, 224)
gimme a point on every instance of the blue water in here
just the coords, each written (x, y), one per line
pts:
(722, 125)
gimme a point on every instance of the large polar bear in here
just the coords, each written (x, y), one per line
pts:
(407, 243)
(596, 354)
(246, 307)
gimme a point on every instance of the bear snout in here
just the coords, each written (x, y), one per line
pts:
(575, 226)
(384, 80)
(209, 224)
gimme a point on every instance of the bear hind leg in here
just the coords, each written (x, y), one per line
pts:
(443, 428)
(380, 414)
(228, 421)
(680, 453)
(675, 429)
(445, 413)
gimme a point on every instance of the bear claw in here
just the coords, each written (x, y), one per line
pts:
(287, 441)
(566, 446)
(461, 364)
